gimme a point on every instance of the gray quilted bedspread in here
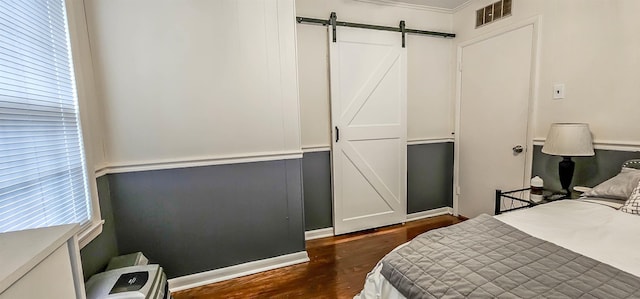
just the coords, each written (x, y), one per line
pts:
(486, 258)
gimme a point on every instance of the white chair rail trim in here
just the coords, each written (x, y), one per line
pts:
(612, 145)
(413, 141)
(417, 141)
(316, 148)
(134, 166)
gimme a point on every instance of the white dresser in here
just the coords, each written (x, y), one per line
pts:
(41, 263)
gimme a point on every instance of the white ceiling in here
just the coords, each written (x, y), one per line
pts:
(446, 4)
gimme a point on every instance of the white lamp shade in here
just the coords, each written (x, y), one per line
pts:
(569, 140)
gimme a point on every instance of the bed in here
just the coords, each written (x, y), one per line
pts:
(584, 248)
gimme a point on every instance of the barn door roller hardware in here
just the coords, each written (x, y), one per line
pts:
(333, 22)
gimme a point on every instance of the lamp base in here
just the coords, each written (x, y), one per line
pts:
(565, 170)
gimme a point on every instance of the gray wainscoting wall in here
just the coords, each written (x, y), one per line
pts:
(318, 204)
(589, 171)
(429, 182)
(197, 219)
(429, 176)
(96, 255)
(191, 220)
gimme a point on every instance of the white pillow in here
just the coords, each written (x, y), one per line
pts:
(632, 205)
(617, 187)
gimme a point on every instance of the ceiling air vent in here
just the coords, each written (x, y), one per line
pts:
(493, 12)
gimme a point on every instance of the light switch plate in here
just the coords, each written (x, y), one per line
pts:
(558, 91)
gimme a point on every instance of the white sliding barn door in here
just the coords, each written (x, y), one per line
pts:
(368, 116)
(493, 120)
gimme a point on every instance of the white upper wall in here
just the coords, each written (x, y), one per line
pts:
(429, 67)
(593, 47)
(191, 80)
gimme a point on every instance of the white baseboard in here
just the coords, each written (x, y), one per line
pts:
(318, 233)
(430, 213)
(217, 275)
(328, 232)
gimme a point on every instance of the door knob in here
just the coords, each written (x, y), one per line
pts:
(518, 149)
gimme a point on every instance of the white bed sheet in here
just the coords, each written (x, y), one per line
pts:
(587, 227)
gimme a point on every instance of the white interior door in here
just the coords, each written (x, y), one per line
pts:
(368, 116)
(495, 93)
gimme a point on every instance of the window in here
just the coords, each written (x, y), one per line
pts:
(42, 166)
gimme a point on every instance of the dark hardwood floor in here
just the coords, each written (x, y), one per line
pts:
(337, 266)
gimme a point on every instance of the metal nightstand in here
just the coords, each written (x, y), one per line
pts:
(521, 198)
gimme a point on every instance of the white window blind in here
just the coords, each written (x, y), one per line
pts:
(42, 173)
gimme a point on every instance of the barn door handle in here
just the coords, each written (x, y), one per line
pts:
(518, 149)
(337, 134)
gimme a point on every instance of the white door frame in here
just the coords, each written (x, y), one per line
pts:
(533, 97)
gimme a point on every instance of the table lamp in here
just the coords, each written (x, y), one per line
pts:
(568, 140)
